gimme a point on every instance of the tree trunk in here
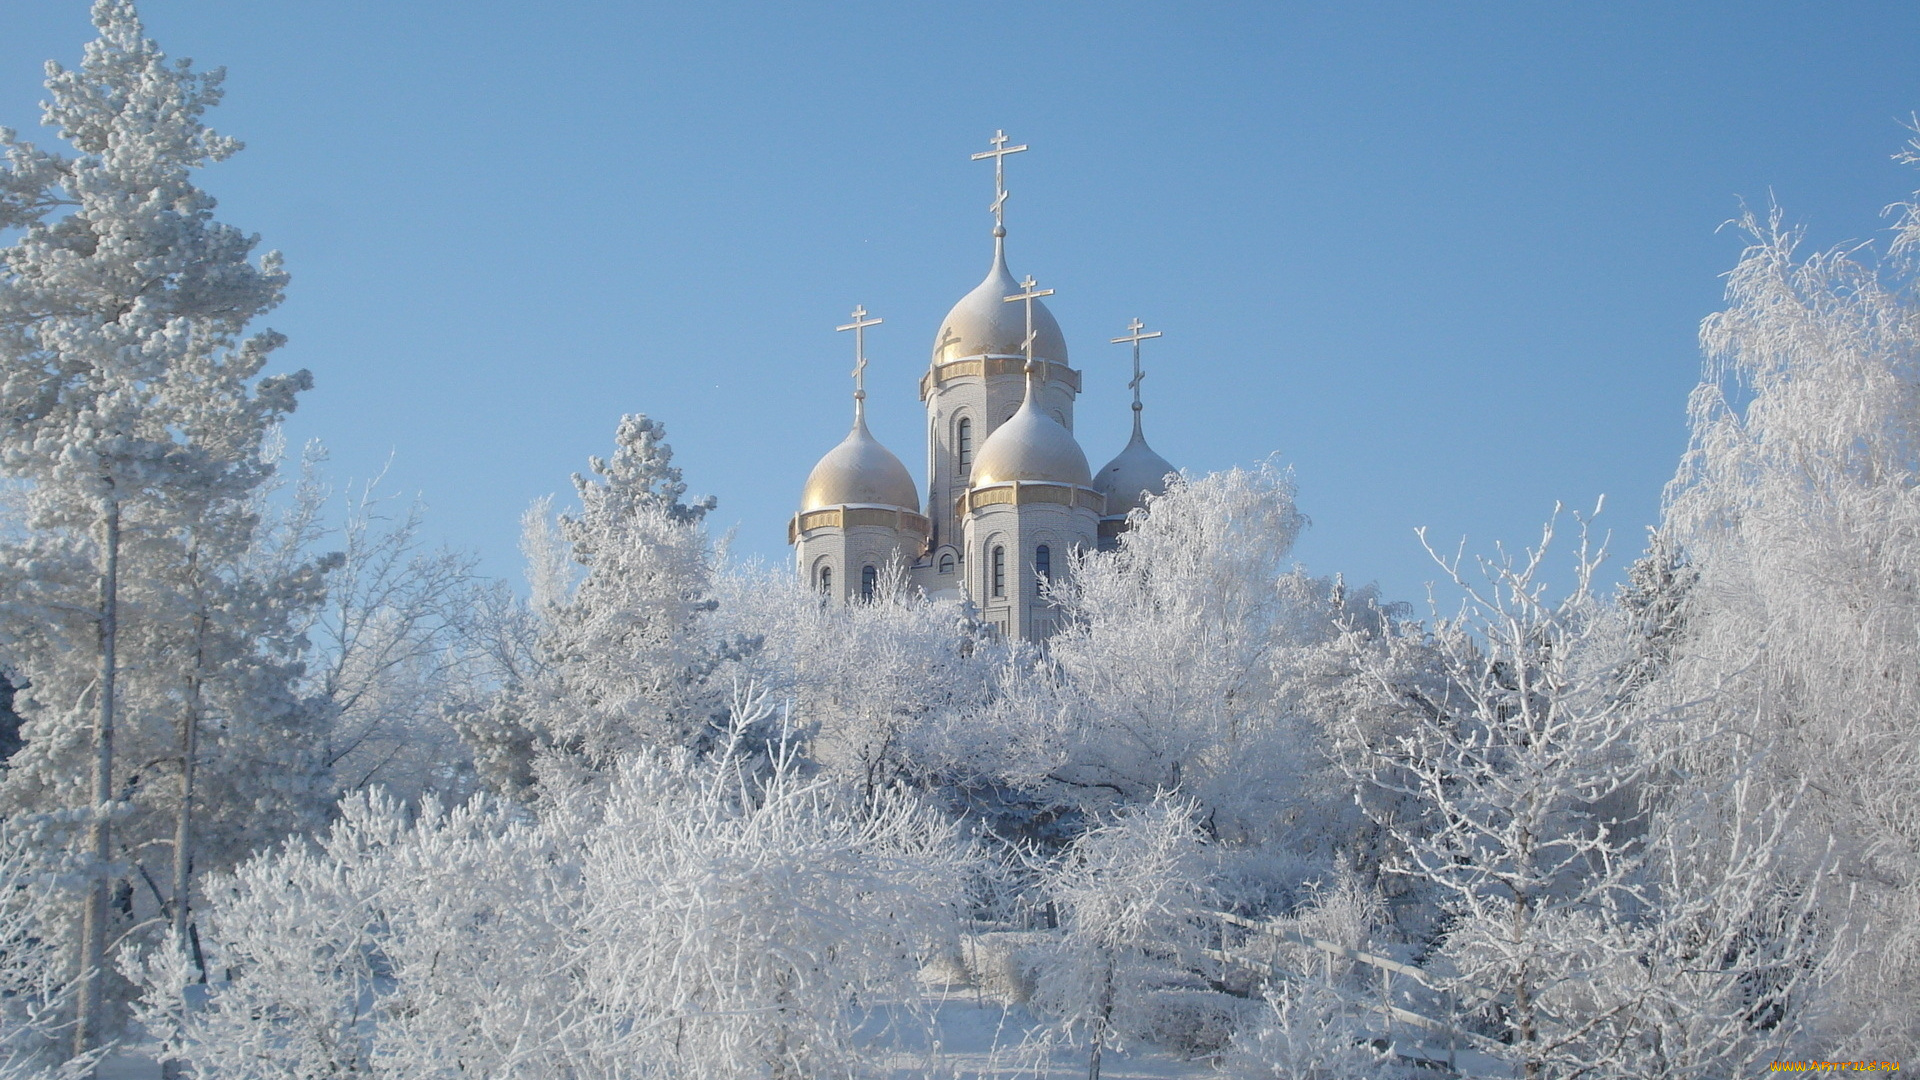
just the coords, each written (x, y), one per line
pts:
(90, 1014)
(1103, 1015)
(1524, 1028)
(189, 749)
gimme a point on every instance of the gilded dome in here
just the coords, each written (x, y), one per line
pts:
(984, 324)
(860, 472)
(1031, 446)
(1134, 474)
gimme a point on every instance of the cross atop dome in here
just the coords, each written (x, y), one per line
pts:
(859, 327)
(1134, 326)
(999, 155)
(1029, 292)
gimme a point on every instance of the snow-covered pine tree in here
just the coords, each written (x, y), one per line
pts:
(621, 592)
(134, 416)
(625, 647)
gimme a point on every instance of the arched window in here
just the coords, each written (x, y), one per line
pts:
(963, 444)
(946, 562)
(826, 579)
(1042, 569)
(999, 564)
(869, 581)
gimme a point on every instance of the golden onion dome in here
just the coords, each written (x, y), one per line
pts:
(1135, 473)
(984, 324)
(860, 472)
(1031, 446)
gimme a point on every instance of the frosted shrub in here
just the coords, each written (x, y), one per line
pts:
(1307, 1030)
(1128, 895)
(692, 918)
(1345, 912)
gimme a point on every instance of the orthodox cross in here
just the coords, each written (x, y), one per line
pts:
(859, 327)
(1028, 293)
(1134, 326)
(999, 155)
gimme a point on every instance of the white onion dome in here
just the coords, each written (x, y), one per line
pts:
(1133, 474)
(1031, 446)
(860, 472)
(984, 324)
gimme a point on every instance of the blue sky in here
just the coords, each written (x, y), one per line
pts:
(1448, 260)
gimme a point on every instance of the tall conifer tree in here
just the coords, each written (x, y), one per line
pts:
(132, 408)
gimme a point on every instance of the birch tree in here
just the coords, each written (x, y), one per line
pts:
(1798, 507)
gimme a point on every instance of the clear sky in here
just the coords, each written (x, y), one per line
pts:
(1448, 260)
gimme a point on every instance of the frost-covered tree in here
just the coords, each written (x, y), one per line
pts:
(881, 689)
(134, 416)
(36, 987)
(399, 643)
(1189, 659)
(1171, 641)
(1516, 769)
(1602, 916)
(1798, 507)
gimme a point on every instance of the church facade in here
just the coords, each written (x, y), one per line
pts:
(1009, 494)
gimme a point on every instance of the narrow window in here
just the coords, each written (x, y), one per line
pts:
(999, 571)
(869, 580)
(946, 562)
(826, 579)
(1042, 569)
(964, 441)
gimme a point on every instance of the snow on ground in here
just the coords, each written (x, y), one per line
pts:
(129, 1065)
(977, 1037)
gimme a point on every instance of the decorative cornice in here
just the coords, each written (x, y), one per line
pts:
(986, 366)
(850, 516)
(1030, 492)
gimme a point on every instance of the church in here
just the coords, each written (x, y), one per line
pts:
(1009, 493)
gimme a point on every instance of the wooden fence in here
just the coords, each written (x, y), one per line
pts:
(1388, 968)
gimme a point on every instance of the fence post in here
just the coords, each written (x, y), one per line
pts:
(1453, 1032)
(1386, 992)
